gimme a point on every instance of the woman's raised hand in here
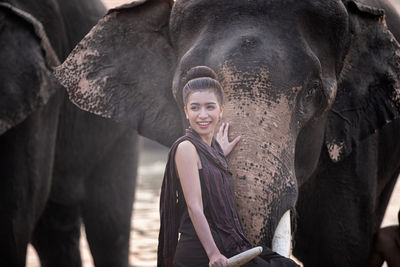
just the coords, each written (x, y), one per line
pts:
(222, 138)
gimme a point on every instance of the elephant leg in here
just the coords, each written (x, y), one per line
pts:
(336, 210)
(26, 161)
(56, 237)
(108, 204)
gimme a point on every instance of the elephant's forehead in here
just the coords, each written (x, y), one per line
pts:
(227, 4)
(277, 9)
(254, 85)
(240, 81)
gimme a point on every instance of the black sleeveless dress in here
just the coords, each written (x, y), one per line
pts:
(189, 251)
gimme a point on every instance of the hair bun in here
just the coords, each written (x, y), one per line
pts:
(200, 72)
(202, 78)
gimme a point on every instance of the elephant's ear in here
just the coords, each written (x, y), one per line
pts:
(368, 94)
(26, 65)
(123, 70)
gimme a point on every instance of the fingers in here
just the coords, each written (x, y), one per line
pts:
(221, 129)
(218, 261)
(222, 262)
(226, 129)
(235, 141)
(231, 145)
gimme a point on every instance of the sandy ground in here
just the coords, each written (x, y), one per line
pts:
(145, 221)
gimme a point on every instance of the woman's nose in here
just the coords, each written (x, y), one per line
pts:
(203, 113)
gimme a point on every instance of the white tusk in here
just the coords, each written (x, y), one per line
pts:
(244, 257)
(281, 243)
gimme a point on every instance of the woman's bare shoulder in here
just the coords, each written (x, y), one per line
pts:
(186, 147)
(186, 152)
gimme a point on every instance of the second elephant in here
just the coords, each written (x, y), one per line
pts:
(60, 167)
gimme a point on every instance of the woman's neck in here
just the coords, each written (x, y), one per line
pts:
(207, 139)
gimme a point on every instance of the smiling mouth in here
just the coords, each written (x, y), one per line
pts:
(204, 124)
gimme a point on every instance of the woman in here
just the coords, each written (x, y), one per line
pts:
(196, 200)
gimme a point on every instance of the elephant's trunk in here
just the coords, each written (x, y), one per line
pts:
(263, 162)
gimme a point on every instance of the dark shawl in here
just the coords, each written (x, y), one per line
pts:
(221, 212)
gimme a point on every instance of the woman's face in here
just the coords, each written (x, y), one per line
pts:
(203, 112)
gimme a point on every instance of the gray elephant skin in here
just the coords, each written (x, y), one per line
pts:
(60, 166)
(313, 88)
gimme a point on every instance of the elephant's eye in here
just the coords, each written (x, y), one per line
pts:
(313, 99)
(313, 89)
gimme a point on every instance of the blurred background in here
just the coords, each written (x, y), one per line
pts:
(145, 220)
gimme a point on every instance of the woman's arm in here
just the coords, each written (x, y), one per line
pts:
(222, 138)
(186, 164)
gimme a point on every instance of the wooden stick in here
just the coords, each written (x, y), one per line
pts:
(244, 257)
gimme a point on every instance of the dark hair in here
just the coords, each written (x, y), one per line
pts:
(201, 78)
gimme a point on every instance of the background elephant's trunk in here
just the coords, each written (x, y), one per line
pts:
(263, 162)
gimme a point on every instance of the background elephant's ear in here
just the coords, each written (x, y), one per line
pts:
(123, 70)
(368, 94)
(26, 65)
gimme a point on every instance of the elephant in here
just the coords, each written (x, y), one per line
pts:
(313, 88)
(60, 166)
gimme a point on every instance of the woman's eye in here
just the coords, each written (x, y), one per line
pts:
(210, 107)
(194, 108)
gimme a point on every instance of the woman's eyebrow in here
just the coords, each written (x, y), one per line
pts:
(207, 103)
